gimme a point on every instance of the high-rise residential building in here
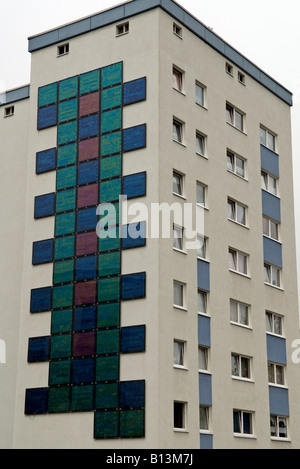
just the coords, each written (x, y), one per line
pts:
(116, 336)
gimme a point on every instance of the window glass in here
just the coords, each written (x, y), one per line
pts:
(267, 274)
(199, 95)
(229, 114)
(247, 423)
(231, 210)
(237, 422)
(263, 138)
(177, 237)
(235, 369)
(279, 375)
(203, 418)
(178, 353)
(240, 167)
(177, 80)
(230, 161)
(264, 181)
(238, 120)
(177, 183)
(200, 194)
(243, 314)
(200, 144)
(201, 247)
(275, 277)
(178, 294)
(272, 185)
(271, 141)
(277, 324)
(202, 358)
(179, 415)
(245, 367)
(233, 311)
(202, 308)
(177, 131)
(232, 260)
(241, 214)
(242, 263)
(282, 427)
(274, 230)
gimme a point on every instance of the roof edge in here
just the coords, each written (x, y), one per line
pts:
(14, 95)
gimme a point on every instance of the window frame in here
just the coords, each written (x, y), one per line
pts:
(180, 126)
(236, 255)
(277, 426)
(66, 49)
(241, 423)
(236, 157)
(182, 294)
(229, 69)
(178, 79)
(272, 322)
(122, 29)
(183, 416)
(206, 410)
(204, 187)
(9, 111)
(271, 268)
(265, 143)
(239, 304)
(205, 351)
(181, 178)
(236, 205)
(232, 110)
(283, 373)
(182, 354)
(177, 228)
(204, 241)
(204, 302)
(200, 135)
(242, 78)
(269, 222)
(203, 94)
(177, 30)
(240, 360)
(266, 177)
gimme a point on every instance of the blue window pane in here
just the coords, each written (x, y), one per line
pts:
(36, 401)
(88, 172)
(86, 268)
(86, 220)
(133, 286)
(40, 300)
(45, 161)
(133, 339)
(38, 349)
(83, 371)
(84, 318)
(89, 126)
(132, 394)
(134, 185)
(135, 91)
(134, 138)
(42, 252)
(47, 117)
(44, 205)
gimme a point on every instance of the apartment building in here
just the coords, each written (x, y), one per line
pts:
(116, 337)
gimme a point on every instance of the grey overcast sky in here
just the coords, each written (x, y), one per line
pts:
(266, 31)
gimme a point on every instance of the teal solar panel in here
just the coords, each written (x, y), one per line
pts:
(112, 75)
(67, 155)
(67, 133)
(47, 95)
(68, 88)
(67, 110)
(89, 81)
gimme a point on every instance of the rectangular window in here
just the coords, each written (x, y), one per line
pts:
(201, 247)
(270, 228)
(200, 94)
(177, 131)
(238, 262)
(201, 194)
(178, 294)
(177, 30)
(177, 237)
(200, 144)
(236, 212)
(276, 374)
(9, 111)
(202, 302)
(179, 415)
(122, 29)
(204, 417)
(242, 422)
(235, 117)
(272, 275)
(177, 184)
(177, 79)
(203, 358)
(241, 78)
(239, 313)
(229, 68)
(267, 139)
(63, 49)
(240, 366)
(268, 183)
(273, 323)
(235, 164)
(278, 426)
(179, 355)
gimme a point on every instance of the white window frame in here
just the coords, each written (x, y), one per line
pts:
(63, 49)
(182, 294)
(177, 30)
(178, 238)
(241, 423)
(270, 320)
(9, 111)
(275, 381)
(278, 418)
(122, 28)
(235, 207)
(178, 136)
(239, 306)
(239, 360)
(236, 255)
(235, 158)
(181, 353)
(202, 102)
(206, 410)
(231, 117)
(264, 140)
(204, 302)
(204, 187)
(270, 269)
(229, 68)
(178, 79)
(266, 178)
(177, 174)
(268, 230)
(205, 352)
(203, 240)
(203, 138)
(183, 416)
(242, 78)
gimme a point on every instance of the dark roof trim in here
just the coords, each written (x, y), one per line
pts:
(12, 96)
(135, 7)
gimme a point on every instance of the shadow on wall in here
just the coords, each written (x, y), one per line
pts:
(2, 351)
